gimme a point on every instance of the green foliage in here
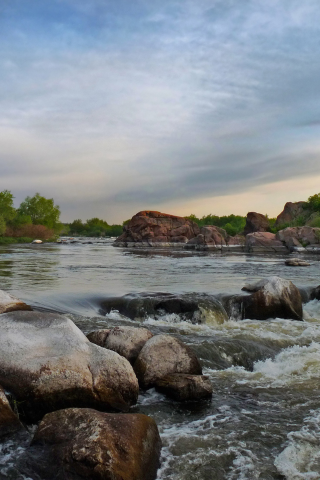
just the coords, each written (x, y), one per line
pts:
(20, 220)
(42, 211)
(314, 202)
(233, 224)
(94, 227)
(7, 211)
(315, 222)
(3, 226)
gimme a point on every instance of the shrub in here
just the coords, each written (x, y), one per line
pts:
(30, 231)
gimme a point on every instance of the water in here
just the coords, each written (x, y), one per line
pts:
(263, 419)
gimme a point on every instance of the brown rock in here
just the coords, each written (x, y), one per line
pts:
(9, 422)
(84, 443)
(264, 242)
(126, 341)
(155, 227)
(291, 212)
(209, 236)
(183, 387)
(315, 293)
(48, 363)
(299, 236)
(162, 355)
(296, 262)
(256, 222)
(9, 303)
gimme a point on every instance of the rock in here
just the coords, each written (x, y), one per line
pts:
(48, 363)
(37, 241)
(150, 228)
(79, 443)
(296, 262)
(315, 293)
(9, 421)
(162, 355)
(256, 222)
(183, 387)
(9, 303)
(273, 297)
(299, 236)
(264, 242)
(291, 212)
(209, 237)
(126, 341)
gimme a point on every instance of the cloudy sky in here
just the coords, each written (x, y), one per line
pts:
(182, 106)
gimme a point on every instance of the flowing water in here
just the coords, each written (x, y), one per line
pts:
(263, 421)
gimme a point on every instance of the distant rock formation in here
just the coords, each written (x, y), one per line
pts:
(291, 212)
(151, 228)
(256, 222)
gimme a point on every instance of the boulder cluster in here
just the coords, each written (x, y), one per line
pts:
(155, 229)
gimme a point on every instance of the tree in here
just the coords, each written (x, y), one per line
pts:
(2, 226)
(42, 211)
(314, 202)
(7, 211)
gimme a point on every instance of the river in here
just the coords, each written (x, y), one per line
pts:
(263, 421)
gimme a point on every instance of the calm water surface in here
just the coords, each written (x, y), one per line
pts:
(264, 418)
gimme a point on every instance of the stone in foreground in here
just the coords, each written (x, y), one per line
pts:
(162, 355)
(183, 387)
(9, 421)
(48, 363)
(9, 303)
(126, 341)
(297, 262)
(83, 443)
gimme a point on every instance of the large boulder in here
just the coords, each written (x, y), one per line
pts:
(9, 421)
(183, 387)
(299, 236)
(79, 443)
(256, 222)
(48, 363)
(264, 242)
(162, 355)
(9, 303)
(148, 228)
(126, 341)
(209, 237)
(273, 297)
(291, 212)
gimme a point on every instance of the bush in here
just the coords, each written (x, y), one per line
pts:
(30, 231)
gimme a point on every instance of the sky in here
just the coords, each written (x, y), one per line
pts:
(183, 106)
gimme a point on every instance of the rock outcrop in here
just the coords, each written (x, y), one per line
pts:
(209, 237)
(256, 222)
(9, 421)
(273, 297)
(148, 228)
(48, 363)
(264, 242)
(126, 341)
(291, 212)
(182, 387)
(299, 236)
(79, 443)
(163, 355)
(9, 303)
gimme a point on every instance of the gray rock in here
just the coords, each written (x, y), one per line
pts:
(162, 355)
(48, 363)
(183, 387)
(296, 262)
(126, 341)
(79, 443)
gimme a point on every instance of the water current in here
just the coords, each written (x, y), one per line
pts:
(263, 421)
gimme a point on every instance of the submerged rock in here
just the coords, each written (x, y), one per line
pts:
(79, 443)
(273, 297)
(9, 303)
(48, 363)
(315, 293)
(256, 222)
(297, 262)
(9, 421)
(126, 341)
(183, 387)
(162, 355)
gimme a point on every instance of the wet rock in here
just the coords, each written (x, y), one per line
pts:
(299, 236)
(162, 355)
(315, 293)
(291, 212)
(9, 421)
(264, 242)
(183, 387)
(48, 363)
(256, 222)
(273, 297)
(126, 341)
(9, 303)
(81, 443)
(153, 228)
(297, 262)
